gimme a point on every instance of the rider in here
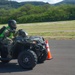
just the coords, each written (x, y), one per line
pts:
(6, 35)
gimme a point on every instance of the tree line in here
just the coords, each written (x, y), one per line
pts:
(45, 13)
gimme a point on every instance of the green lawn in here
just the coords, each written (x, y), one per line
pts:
(52, 30)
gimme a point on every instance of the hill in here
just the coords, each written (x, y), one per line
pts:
(66, 2)
(13, 4)
(26, 12)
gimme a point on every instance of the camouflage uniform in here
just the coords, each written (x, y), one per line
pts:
(6, 40)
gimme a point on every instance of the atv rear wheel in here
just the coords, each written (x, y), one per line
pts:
(27, 59)
(4, 54)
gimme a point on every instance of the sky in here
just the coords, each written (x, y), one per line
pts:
(49, 1)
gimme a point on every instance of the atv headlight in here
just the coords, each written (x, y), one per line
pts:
(34, 42)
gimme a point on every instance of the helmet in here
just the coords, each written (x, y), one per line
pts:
(22, 33)
(12, 24)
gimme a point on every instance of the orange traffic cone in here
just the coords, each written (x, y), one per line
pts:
(49, 56)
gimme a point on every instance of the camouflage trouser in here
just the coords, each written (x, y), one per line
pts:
(7, 42)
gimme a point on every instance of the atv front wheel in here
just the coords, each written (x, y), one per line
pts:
(42, 57)
(27, 59)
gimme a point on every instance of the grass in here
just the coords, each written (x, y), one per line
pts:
(52, 30)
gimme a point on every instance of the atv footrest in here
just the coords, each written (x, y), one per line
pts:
(5, 58)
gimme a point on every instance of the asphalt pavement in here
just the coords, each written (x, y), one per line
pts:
(63, 62)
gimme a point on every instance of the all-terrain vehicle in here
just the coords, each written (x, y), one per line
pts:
(28, 50)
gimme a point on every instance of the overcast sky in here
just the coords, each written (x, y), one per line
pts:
(49, 1)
